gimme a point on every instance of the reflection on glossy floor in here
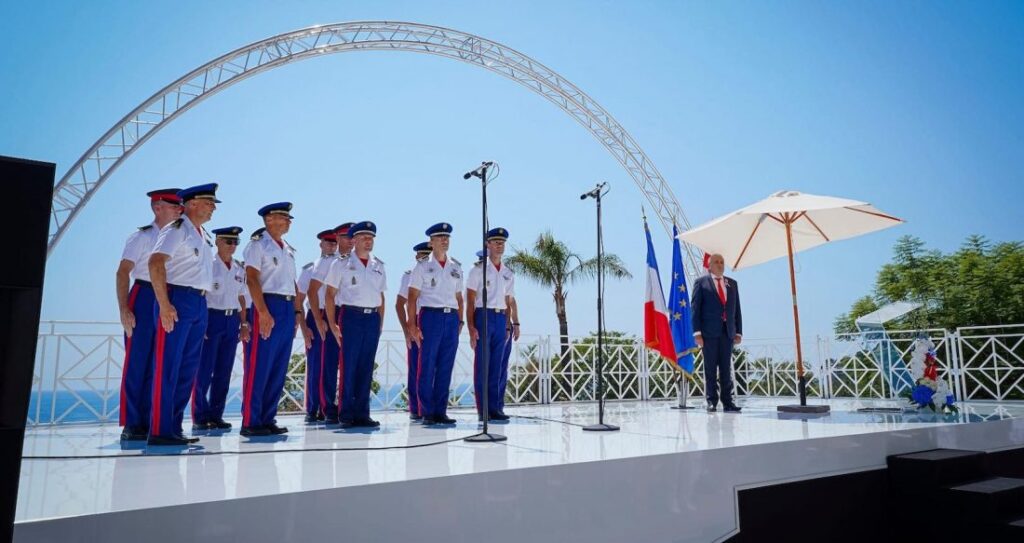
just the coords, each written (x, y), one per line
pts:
(316, 457)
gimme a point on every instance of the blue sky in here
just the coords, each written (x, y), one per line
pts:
(915, 107)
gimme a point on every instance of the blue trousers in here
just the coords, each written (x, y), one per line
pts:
(437, 358)
(176, 359)
(412, 382)
(214, 376)
(506, 355)
(321, 371)
(718, 367)
(358, 351)
(495, 339)
(267, 364)
(137, 371)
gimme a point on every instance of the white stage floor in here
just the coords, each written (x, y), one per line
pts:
(668, 475)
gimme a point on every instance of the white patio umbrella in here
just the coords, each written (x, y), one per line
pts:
(782, 224)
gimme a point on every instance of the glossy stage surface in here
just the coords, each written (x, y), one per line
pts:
(668, 475)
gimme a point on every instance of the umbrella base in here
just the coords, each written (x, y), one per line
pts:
(600, 428)
(804, 409)
(682, 407)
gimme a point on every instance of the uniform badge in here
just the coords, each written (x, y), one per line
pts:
(275, 261)
(433, 282)
(455, 274)
(488, 283)
(196, 251)
(353, 280)
(216, 286)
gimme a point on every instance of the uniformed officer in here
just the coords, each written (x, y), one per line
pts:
(500, 282)
(270, 276)
(226, 324)
(422, 251)
(435, 287)
(137, 318)
(181, 268)
(361, 280)
(329, 376)
(323, 346)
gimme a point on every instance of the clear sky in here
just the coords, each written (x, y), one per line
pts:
(915, 107)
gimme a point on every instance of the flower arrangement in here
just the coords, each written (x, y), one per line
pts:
(928, 391)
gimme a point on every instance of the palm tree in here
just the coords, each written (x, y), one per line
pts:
(552, 264)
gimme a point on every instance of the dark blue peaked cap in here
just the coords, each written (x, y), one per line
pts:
(278, 208)
(201, 192)
(362, 227)
(497, 233)
(422, 247)
(440, 229)
(227, 231)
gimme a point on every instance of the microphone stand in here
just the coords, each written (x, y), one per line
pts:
(483, 342)
(601, 425)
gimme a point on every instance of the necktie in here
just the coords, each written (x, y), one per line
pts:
(721, 295)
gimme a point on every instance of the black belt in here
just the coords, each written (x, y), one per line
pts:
(198, 291)
(285, 297)
(440, 309)
(358, 309)
(143, 282)
(225, 312)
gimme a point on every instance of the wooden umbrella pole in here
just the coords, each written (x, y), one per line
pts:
(796, 311)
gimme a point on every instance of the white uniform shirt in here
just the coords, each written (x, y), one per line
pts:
(437, 285)
(318, 270)
(191, 254)
(276, 264)
(303, 281)
(358, 285)
(403, 289)
(138, 248)
(228, 285)
(500, 283)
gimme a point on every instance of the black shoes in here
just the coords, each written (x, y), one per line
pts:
(311, 419)
(500, 415)
(712, 408)
(220, 424)
(367, 423)
(177, 440)
(202, 426)
(442, 419)
(330, 420)
(134, 433)
(415, 418)
(276, 430)
(732, 409)
(254, 431)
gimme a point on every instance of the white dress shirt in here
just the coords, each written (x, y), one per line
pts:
(276, 264)
(358, 284)
(228, 285)
(500, 283)
(437, 284)
(138, 248)
(191, 254)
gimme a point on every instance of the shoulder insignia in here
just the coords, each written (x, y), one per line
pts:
(237, 262)
(456, 261)
(344, 256)
(257, 234)
(378, 260)
(478, 264)
(177, 223)
(308, 266)
(407, 272)
(288, 245)
(144, 228)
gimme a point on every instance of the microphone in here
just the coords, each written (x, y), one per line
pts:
(478, 170)
(593, 192)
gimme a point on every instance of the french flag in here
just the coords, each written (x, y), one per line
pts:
(657, 334)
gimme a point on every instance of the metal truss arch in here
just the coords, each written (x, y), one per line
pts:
(88, 174)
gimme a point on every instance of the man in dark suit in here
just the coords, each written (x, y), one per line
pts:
(717, 326)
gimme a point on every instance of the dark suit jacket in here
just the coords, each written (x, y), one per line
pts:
(706, 307)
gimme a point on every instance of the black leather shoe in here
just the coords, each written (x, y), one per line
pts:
(428, 420)
(347, 424)
(220, 424)
(254, 431)
(310, 419)
(444, 419)
(712, 408)
(189, 439)
(134, 433)
(367, 423)
(320, 417)
(169, 440)
(500, 416)
(732, 409)
(331, 420)
(414, 417)
(202, 426)
(277, 430)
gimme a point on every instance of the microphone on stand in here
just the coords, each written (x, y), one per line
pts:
(592, 193)
(476, 173)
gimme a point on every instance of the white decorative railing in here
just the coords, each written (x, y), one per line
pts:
(78, 369)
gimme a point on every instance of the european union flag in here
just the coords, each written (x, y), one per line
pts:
(679, 310)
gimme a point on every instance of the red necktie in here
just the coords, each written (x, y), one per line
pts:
(721, 295)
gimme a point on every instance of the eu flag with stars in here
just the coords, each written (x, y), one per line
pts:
(679, 310)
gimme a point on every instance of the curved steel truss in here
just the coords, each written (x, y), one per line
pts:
(83, 179)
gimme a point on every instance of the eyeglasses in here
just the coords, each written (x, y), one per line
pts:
(230, 241)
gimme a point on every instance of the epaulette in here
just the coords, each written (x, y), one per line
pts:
(378, 260)
(478, 263)
(344, 256)
(407, 272)
(288, 245)
(308, 266)
(177, 223)
(144, 228)
(238, 263)
(456, 261)
(257, 234)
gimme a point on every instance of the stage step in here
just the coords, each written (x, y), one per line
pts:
(935, 469)
(994, 500)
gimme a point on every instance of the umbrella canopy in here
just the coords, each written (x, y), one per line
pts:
(782, 224)
(757, 233)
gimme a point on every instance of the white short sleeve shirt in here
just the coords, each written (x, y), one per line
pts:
(228, 285)
(191, 254)
(138, 248)
(275, 262)
(437, 284)
(500, 283)
(358, 284)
